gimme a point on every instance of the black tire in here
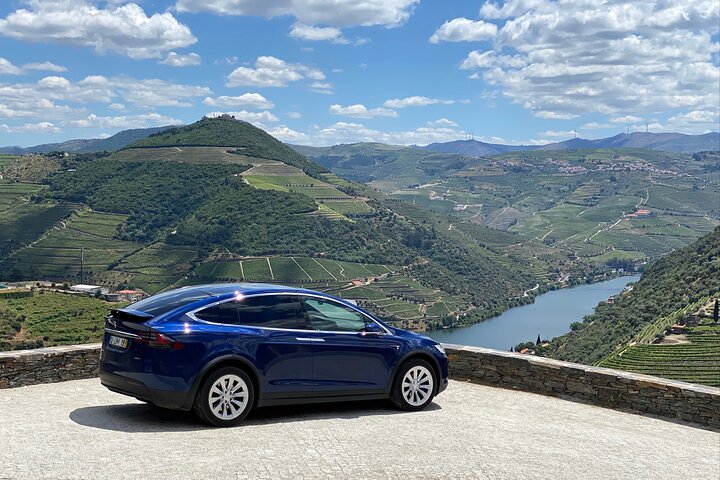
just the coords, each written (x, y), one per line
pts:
(240, 400)
(402, 395)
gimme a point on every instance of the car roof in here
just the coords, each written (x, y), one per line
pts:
(199, 295)
(217, 289)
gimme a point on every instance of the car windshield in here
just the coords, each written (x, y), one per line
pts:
(165, 302)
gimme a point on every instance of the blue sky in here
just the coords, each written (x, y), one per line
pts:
(323, 72)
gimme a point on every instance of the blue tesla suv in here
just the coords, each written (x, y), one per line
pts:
(224, 349)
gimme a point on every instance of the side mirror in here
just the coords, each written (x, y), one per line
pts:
(372, 329)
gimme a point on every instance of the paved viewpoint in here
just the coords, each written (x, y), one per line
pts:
(79, 429)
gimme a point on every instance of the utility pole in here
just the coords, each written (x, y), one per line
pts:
(82, 260)
(647, 127)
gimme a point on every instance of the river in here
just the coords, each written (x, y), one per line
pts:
(550, 316)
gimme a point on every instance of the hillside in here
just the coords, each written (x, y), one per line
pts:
(577, 206)
(160, 216)
(679, 279)
(664, 142)
(90, 145)
(225, 131)
(475, 148)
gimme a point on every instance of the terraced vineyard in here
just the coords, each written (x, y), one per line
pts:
(152, 268)
(289, 269)
(92, 234)
(23, 221)
(332, 203)
(697, 361)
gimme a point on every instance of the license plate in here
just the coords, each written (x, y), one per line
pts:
(118, 342)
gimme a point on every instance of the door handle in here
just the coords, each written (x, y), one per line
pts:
(306, 339)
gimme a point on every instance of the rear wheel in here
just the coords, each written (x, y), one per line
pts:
(414, 385)
(225, 397)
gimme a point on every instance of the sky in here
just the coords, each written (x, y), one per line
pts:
(323, 72)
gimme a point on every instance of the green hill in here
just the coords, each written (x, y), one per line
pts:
(679, 279)
(225, 131)
(221, 200)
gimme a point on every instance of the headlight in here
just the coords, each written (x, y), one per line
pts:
(439, 348)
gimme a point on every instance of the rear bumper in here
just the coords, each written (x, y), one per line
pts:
(135, 388)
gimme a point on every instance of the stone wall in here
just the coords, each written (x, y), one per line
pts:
(595, 385)
(599, 386)
(47, 365)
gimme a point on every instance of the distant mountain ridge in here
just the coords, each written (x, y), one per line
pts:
(89, 145)
(665, 142)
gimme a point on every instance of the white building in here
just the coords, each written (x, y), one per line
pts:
(89, 289)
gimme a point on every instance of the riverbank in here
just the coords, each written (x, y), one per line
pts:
(550, 315)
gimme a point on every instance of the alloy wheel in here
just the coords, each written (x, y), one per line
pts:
(417, 385)
(228, 397)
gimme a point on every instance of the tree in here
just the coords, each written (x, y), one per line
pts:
(715, 312)
(538, 341)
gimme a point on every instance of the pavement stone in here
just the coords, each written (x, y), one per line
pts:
(80, 430)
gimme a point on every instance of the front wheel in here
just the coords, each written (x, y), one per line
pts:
(225, 397)
(414, 385)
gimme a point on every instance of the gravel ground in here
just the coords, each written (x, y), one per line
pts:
(79, 429)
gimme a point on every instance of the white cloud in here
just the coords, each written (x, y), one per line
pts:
(443, 122)
(344, 132)
(30, 127)
(250, 100)
(55, 97)
(259, 119)
(415, 101)
(44, 67)
(562, 59)
(696, 121)
(126, 29)
(309, 33)
(294, 115)
(338, 13)
(464, 30)
(626, 119)
(288, 135)
(558, 133)
(125, 121)
(321, 87)
(151, 92)
(597, 126)
(272, 72)
(178, 60)
(7, 68)
(361, 111)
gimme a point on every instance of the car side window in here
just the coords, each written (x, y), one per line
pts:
(225, 313)
(270, 311)
(332, 316)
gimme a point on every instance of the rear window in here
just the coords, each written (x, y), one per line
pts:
(164, 302)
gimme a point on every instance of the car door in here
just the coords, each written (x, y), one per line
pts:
(346, 361)
(271, 330)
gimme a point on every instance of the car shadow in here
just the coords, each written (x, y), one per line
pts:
(140, 417)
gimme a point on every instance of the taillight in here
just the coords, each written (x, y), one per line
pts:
(159, 340)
